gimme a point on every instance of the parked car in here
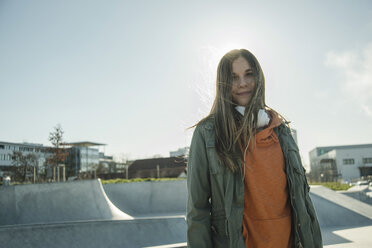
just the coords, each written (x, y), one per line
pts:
(360, 183)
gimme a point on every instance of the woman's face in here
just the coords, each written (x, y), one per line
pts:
(243, 83)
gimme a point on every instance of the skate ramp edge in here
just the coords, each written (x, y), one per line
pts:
(56, 202)
(117, 214)
(344, 221)
(337, 210)
(361, 193)
(144, 199)
(153, 232)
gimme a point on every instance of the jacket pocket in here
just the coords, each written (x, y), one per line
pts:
(219, 228)
(220, 241)
(215, 166)
(299, 172)
(219, 222)
(295, 160)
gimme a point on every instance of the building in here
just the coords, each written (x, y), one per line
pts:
(106, 164)
(345, 163)
(83, 157)
(6, 152)
(180, 152)
(157, 167)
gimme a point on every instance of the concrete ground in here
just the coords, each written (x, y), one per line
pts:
(85, 214)
(96, 234)
(345, 222)
(354, 237)
(361, 192)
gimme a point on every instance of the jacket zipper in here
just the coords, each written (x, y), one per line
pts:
(244, 165)
(291, 196)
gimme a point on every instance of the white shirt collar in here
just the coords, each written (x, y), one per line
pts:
(263, 117)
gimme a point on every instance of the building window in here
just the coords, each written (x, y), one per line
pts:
(367, 160)
(348, 161)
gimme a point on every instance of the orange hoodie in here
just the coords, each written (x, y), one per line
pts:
(267, 212)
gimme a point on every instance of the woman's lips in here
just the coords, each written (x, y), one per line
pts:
(244, 93)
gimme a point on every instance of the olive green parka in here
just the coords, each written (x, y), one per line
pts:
(215, 202)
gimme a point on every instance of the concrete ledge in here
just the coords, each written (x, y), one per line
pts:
(346, 202)
(97, 234)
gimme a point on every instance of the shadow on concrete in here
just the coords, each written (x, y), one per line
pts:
(331, 214)
(330, 238)
(333, 217)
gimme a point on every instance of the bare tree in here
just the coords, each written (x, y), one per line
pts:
(59, 152)
(23, 165)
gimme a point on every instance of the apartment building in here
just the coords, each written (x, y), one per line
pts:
(346, 163)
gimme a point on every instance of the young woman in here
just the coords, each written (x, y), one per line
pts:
(246, 184)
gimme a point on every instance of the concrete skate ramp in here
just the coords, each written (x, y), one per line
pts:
(344, 221)
(336, 210)
(143, 199)
(362, 193)
(97, 234)
(56, 202)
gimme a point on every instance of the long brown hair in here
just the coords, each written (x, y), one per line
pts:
(233, 131)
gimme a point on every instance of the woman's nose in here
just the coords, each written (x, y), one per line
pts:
(247, 82)
(243, 82)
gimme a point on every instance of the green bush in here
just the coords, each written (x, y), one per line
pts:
(20, 183)
(333, 185)
(120, 180)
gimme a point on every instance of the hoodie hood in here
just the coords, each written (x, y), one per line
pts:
(267, 135)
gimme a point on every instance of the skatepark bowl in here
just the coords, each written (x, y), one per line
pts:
(86, 214)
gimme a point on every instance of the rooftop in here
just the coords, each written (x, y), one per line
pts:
(83, 144)
(345, 147)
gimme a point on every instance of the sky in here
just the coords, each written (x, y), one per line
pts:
(135, 75)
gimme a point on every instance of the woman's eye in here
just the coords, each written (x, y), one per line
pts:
(235, 78)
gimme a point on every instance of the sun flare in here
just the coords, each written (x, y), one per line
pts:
(209, 57)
